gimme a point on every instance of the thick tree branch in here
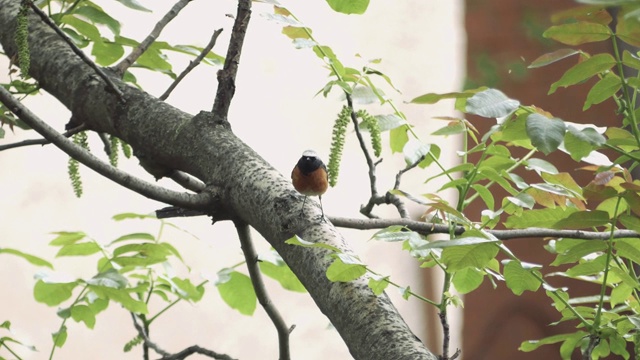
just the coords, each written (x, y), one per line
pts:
(251, 258)
(227, 76)
(76, 50)
(144, 45)
(431, 228)
(91, 161)
(192, 64)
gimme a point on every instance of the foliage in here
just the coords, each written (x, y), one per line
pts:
(134, 271)
(607, 320)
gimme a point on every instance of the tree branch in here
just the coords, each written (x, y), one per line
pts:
(187, 181)
(431, 228)
(144, 45)
(77, 51)
(375, 198)
(227, 76)
(251, 258)
(194, 349)
(142, 187)
(30, 142)
(192, 64)
(145, 337)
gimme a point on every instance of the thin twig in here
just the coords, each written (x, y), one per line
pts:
(227, 76)
(187, 181)
(147, 341)
(155, 33)
(430, 228)
(251, 258)
(195, 349)
(30, 142)
(77, 51)
(396, 186)
(197, 201)
(192, 64)
(445, 334)
(375, 198)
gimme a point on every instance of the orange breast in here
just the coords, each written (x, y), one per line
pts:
(312, 184)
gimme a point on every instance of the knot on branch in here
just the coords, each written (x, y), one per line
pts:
(206, 118)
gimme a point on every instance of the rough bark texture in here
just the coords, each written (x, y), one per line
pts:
(247, 185)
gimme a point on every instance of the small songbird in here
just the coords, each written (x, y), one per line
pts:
(309, 177)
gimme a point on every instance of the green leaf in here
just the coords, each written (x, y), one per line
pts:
(237, 291)
(630, 60)
(564, 180)
(520, 279)
(60, 337)
(395, 233)
(378, 285)
(340, 271)
(282, 274)
(295, 240)
(457, 258)
(79, 249)
(349, 6)
(65, 238)
(583, 219)
(127, 216)
(110, 278)
(628, 248)
(582, 71)
(530, 345)
(588, 268)
(187, 290)
(545, 134)
(578, 33)
(149, 250)
(491, 103)
(52, 293)
(522, 200)
(468, 279)
(538, 217)
(462, 241)
(83, 313)
(604, 89)
(630, 222)
(578, 250)
(34, 260)
(414, 151)
(97, 16)
(398, 137)
(86, 29)
(120, 296)
(133, 4)
(552, 57)
(388, 122)
(106, 52)
(135, 236)
(580, 143)
(485, 195)
(432, 98)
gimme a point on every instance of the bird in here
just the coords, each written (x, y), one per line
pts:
(309, 177)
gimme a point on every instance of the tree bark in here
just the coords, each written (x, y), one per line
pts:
(245, 186)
